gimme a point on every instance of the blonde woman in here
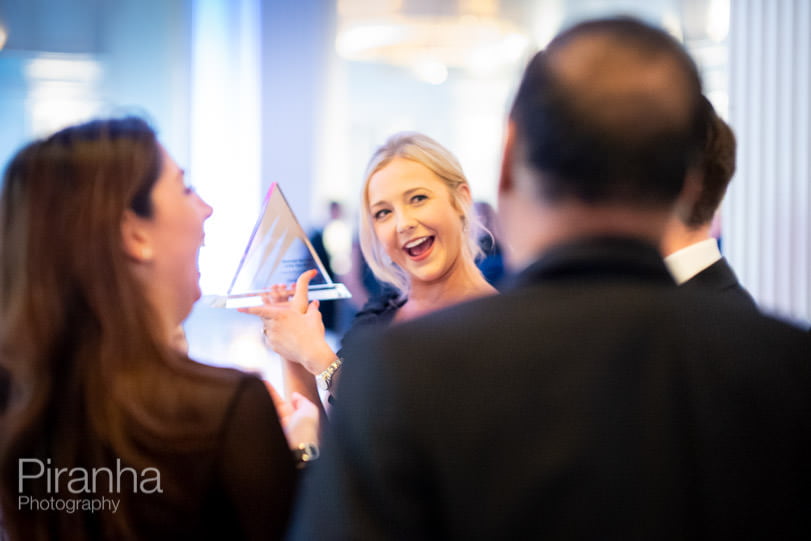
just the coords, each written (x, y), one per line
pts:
(418, 233)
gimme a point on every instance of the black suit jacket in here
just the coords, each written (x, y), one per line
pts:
(720, 278)
(592, 400)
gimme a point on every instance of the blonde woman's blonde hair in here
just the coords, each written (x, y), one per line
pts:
(439, 160)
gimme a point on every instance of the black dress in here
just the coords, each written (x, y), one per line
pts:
(377, 311)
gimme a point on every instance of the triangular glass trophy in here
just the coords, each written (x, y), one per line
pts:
(277, 253)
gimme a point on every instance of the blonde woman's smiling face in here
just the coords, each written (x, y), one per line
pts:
(415, 219)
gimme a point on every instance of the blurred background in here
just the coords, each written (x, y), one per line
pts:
(249, 92)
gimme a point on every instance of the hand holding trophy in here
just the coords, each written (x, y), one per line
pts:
(292, 325)
(278, 252)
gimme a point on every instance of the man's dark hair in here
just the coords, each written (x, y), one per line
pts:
(593, 143)
(717, 167)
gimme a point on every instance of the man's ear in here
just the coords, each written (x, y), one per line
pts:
(505, 179)
(690, 194)
(135, 237)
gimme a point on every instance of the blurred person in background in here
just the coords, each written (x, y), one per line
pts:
(692, 254)
(333, 244)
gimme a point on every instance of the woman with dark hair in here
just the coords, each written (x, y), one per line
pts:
(108, 431)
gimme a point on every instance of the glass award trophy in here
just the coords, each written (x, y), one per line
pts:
(277, 253)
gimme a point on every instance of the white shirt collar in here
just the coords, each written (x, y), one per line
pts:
(687, 262)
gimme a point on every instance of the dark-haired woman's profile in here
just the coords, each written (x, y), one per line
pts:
(109, 432)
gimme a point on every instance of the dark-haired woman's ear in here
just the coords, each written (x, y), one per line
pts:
(135, 238)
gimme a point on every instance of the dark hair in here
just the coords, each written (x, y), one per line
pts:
(717, 167)
(596, 144)
(92, 375)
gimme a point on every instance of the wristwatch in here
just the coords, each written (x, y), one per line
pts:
(324, 379)
(305, 453)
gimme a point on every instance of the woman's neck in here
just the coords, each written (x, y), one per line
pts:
(463, 282)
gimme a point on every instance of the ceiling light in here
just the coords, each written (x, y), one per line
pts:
(465, 34)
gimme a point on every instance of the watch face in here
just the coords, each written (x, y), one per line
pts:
(305, 453)
(310, 452)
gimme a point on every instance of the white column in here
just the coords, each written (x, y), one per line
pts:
(225, 159)
(766, 213)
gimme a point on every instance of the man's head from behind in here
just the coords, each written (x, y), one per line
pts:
(609, 112)
(607, 115)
